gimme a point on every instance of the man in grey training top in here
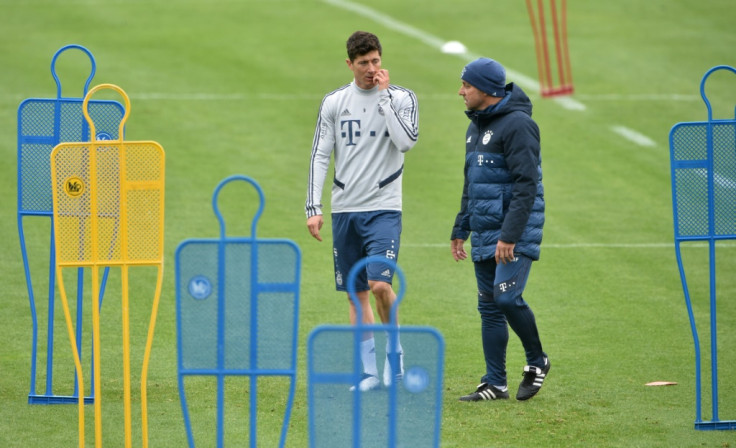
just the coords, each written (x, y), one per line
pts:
(368, 124)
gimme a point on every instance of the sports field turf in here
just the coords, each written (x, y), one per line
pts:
(232, 87)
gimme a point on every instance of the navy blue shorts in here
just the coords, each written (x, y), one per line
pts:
(361, 234)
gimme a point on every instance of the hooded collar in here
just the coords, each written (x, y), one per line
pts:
(515, 100)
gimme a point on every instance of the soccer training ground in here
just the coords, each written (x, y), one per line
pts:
(233, 87)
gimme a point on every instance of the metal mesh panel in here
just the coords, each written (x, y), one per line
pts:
(333, 406)
(143, 162)
(692, 201)
(35, 178)
(238, 298)
(276, 265)
(84, 238)
(106, 116)
(689, 142)
(145, 240)
(197, 305)
(275, 340)
(108, 203)
(691, 178)
(37, 118)
(144, 165)
(36, 140)
(37, 121)
(724, 172)
(72, 124)
(274, 298)
(73, 211)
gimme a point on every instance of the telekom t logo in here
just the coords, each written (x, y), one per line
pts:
(353, 130)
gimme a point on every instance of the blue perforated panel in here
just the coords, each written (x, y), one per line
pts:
(696, 176)
(339, 417)
(43, 124)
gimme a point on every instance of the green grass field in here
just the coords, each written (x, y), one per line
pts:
(233, 87)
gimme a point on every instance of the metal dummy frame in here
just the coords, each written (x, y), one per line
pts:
(265, 287)
(698, 220)
(34, 199)
(353, 378)
(116, 188)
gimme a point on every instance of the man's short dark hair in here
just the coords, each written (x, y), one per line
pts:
(362, 42)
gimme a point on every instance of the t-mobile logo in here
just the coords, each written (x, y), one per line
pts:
(353, 130)
(505, 286)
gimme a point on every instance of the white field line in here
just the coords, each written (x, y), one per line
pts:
(633, 136)
(157, 96)
(719, 244)
(639, 97)
(526, 82)
(383, 19)
(223, 96)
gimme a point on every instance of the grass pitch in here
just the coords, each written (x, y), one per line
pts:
(230, 87)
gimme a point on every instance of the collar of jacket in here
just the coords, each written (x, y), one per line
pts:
(488, 111)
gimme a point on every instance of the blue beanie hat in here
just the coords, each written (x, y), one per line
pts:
(486, 75)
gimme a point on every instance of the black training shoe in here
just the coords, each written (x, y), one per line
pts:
(486, 392)
(532, 382)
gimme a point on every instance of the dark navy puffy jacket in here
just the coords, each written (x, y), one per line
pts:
(503, 196)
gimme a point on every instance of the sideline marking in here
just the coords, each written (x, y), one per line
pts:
(685, 244)
(633, 136)
(524, 81)
(208, 96)
(223, 96)
(640, 97)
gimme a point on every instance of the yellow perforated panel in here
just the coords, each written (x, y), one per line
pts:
(108, 202)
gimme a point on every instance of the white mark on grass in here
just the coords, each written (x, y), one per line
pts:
(529, 84)
(153, 96)
(189, 96)
(718, 179)
(724, 181)
(639, 97)
(389, 22)
(569, 103)
(592, 245)
(633, 136)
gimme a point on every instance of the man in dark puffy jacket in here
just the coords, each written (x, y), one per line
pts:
(503, 208)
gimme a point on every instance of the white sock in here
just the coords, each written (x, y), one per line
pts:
(368, 356)
(399, 348)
